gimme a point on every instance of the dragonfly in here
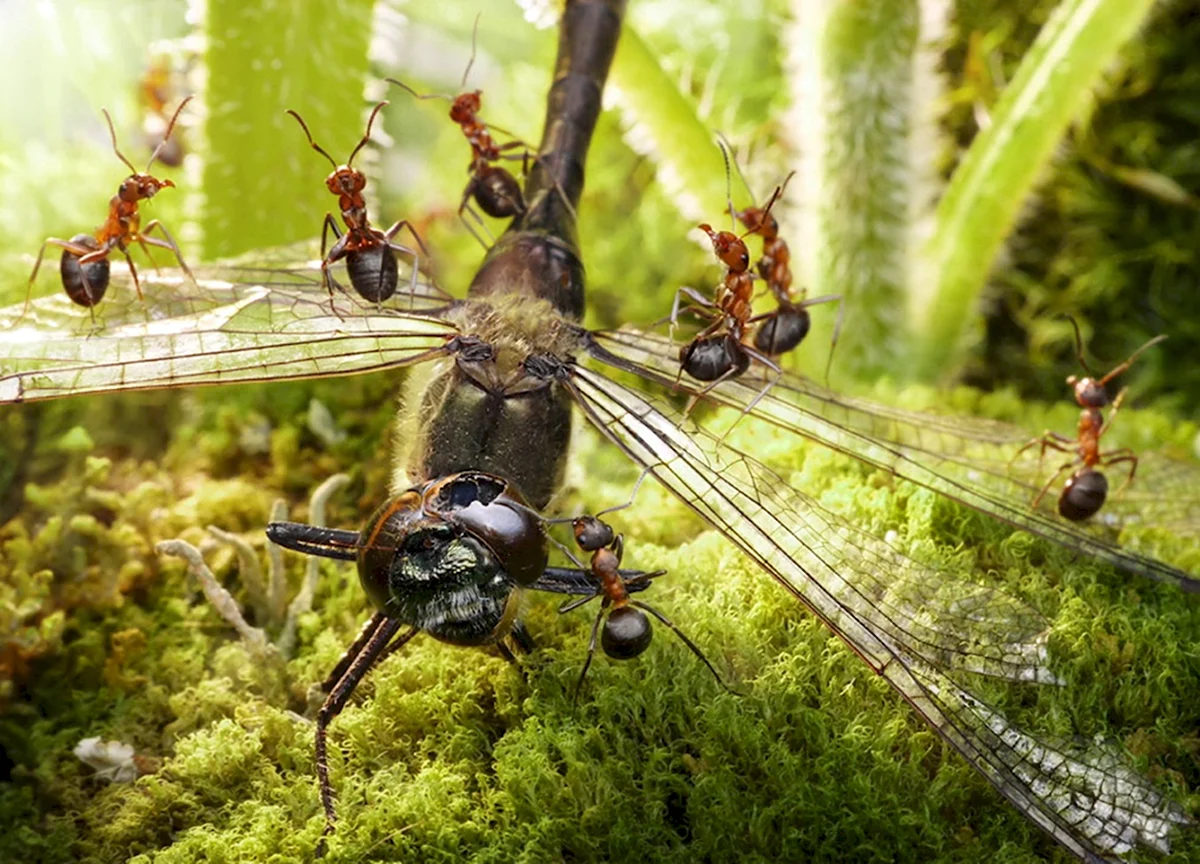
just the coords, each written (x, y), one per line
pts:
(929, 632)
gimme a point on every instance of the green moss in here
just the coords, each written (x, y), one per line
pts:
(451, 753)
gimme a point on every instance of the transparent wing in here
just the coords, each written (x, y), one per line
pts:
(261, 319)
(918, 627)
(969, 460)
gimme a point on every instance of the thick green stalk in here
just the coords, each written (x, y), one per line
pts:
(985, 194)
(852, 78)
(263, 183)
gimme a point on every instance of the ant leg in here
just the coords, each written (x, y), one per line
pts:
(168, 244)
(574, 603)
(1066, 466)
(768, 364)
(837, 325)
(1124, 454)
(695, 649)
(466, 206)
(369, 651)
(78, 251)
(132, 272)
(591, 652)
(326, 277)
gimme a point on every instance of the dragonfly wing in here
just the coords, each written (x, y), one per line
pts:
(239, 323)
(920, 638)
(967, 460)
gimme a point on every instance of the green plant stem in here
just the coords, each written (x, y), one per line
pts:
(983, 200)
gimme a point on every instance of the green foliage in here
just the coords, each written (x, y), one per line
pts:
(989, 186)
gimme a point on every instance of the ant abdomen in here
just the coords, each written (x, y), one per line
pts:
(497, 192)
(783, 330)
(85, 284)
(1083, 495)
(708, 358)
(373, 272)
(626, 634)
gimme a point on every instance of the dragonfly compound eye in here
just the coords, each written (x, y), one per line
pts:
(85, 284)
(495, 513)
(783, 330)
(626, 634)
(1083, 495)
(711, 357)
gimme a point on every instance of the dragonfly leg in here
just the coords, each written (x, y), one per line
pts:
(362, 655)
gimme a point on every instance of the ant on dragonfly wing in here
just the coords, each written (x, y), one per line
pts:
(84, 267)
(1086, 489)
(492, 187)
(370, 261)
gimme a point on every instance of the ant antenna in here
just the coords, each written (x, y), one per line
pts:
(311, 142)
(399, 83)
(166, 136)
(1079, 345)
(736, 167)
(728, 181)
(1117, 371)
(113, 134)
(367, 136)
(471, 62)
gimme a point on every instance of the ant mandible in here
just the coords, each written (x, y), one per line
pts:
(368, 251)
(84, 267)
(492, 186)
(1086, 489)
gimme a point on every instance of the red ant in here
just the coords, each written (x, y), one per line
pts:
(368, 252)
(786, 327)
(84, 267)
(1085, 490)
(493, 187)
(627, 631)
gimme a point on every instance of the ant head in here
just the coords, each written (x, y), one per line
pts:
(627, 633)
(729, 248)
(466, 106)
(591, 533)
(139, 187)
(1089, 392)
(344, 180)
(758, 221)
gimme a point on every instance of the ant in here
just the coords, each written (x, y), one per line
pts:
(368, 252)
(627, 631)
(493, 187)
(84, 267)
(1086, 489)
(783, 329)
(720, 351)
